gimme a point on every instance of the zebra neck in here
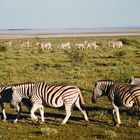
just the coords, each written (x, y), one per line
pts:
(106, 89)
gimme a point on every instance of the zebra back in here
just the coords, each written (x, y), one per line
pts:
(53, 95)
(124, 94)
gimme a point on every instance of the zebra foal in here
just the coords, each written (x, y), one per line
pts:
(52, 95)
(118, 94)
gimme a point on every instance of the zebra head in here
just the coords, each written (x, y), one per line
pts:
(16, 97)
(101, 88)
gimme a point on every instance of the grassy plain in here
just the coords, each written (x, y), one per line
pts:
(77, 67)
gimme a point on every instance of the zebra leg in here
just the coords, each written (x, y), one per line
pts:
(34, 108)
(139, 119)
(41, 109)
(81, 108)
(4, 115)
(117, 114)
(3, 112)
(113, 116)
(139, 123)
(68, 113)
(19, 110)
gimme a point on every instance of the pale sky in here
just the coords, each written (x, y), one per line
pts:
(39, 14)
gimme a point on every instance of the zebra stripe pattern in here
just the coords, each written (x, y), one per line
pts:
(6, 96)
(118, 94)
(52, 95)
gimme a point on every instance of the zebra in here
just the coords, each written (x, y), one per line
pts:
(119, 95)
(80, 45)
(24, 43)
(44, 45)
(6, 96)
(91, 45)
(113, 44)
(65, 45)
(52, 95)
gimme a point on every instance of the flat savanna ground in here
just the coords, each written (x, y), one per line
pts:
(76, 67)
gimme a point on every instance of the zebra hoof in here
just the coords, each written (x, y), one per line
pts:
(117, 125)
(4, 120)
(35, 121)
(15, 121)
(63, 123)
(41, 122)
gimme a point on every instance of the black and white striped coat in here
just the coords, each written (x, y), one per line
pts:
(118, 94)
(52, 95)
(6, 96)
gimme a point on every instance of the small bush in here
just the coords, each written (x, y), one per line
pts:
(125, 41)
(3, 48)
(76, 55)
(110, 134)
(40, 65)
(104, 63)
(129, 42)
(48, 131)
(120, 53)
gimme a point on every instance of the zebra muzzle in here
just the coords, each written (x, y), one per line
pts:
(93, 100)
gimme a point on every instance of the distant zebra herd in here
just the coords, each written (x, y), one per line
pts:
(42, 45)
(37, 95)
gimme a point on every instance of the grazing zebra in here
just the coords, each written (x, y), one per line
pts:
(135, 80)
(93, 45)
(25, 43)
(8, 43)
(80, 45)
(117, 44)
(52, 95)
(45, 45)
(118, 94)
(6, 96)
(65, 45)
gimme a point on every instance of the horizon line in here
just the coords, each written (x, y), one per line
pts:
(73, 28)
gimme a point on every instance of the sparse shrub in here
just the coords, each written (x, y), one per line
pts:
(135, 42)
(3, 48)
(125, 41)
(120, 53)
(129, 42)
(104, 63)
(76, 55)
(48, 131)
(110, 134)
(40, 65)
(124, 73)
(40, 50)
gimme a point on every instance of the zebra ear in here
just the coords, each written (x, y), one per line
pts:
(13, 88)
(132, 78)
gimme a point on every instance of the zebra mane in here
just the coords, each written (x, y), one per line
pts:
(23, 83)
(105, 85)
(111, 81)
